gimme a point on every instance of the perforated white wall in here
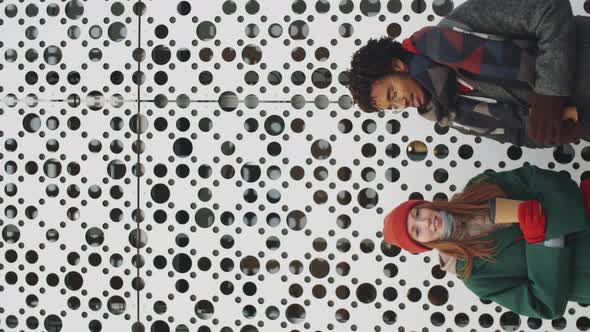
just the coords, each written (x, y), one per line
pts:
(197, 166)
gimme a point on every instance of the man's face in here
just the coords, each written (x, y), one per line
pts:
(397, 91)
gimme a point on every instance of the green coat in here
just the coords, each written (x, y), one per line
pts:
(534, 280)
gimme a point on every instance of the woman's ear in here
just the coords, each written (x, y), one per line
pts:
(398, 65)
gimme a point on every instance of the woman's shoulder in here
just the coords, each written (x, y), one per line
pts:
(514, 181)
(485, 176)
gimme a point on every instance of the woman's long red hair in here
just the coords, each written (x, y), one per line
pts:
(464, 206)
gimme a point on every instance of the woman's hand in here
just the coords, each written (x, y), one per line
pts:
(532, 221)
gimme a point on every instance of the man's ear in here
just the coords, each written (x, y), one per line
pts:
(398, 65)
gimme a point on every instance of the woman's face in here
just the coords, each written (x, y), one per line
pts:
(424, 225)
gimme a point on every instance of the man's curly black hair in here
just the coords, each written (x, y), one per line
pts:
(370, 63)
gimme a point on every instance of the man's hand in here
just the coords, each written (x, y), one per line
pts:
(545, 121)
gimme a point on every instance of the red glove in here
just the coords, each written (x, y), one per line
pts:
(532, 223)
(545, 121)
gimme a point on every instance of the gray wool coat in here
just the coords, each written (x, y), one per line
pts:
(562, 64)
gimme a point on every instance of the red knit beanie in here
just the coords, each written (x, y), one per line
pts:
(395, 228)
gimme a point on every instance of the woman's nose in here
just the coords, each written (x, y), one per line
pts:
(398, 103)
(428, 223)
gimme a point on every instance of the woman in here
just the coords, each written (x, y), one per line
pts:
(533, 267)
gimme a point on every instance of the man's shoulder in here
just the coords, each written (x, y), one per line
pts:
(454, 24)
(448, 22)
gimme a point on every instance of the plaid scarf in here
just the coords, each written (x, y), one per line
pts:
(435, 54)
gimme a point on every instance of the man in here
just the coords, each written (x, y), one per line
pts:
(503, 69)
